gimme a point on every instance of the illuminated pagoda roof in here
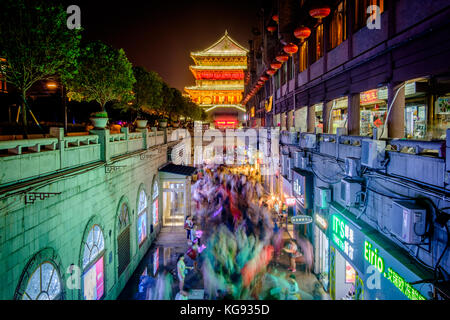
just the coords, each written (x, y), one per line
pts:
(225, 46)
(217, 88)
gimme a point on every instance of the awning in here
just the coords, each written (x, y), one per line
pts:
(178, 169)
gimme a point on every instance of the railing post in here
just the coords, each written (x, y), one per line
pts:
(103, 139)
(58, 133)
(144, 132)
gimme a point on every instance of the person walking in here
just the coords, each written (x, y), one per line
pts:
(188, 224)
(292, 250)
(181, 270)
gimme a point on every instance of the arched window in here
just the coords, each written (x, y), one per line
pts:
(93, 265)
(142, 217)
(44, 283)
(155, 203)
(123, 238)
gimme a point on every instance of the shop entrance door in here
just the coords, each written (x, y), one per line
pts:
(345, 275)
(174, 204)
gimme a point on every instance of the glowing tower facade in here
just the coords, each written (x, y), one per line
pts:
(219, 73)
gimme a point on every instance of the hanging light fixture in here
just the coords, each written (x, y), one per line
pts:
(282, 58)
(275, 18)
(302, 33)
(290, 48)
(276, 65)
(271, 72)
(271, 29)
(320, 13)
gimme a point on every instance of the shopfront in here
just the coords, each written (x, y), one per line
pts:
(321, 249)
(339, 114)
(365, 265)
(416, 109)
(176, 193)
(373, 110)
(318, 114)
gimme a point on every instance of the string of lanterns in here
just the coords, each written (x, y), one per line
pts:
(302, 33)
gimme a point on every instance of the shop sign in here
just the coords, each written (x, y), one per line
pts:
(321, 221)
(410, 88)
(343, 236)
(301, 219)
(371, 255)
(290, 201)
(383, 93)
(368, 97)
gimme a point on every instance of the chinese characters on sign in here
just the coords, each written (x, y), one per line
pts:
(343, 236)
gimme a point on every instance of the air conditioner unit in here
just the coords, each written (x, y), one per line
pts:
(323, 197)
(310, 141)
(352, 167)
(408, 221)
(349, 190)
(297, 159)
(372, 153)
(293, 137)
(289, 166)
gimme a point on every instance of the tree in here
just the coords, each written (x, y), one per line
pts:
(36, 45)
(147, 93)
(104, 75)
(167, 97)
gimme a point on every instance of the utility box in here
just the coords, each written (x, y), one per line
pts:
(349, 191)
(323, 197)
(372, 153)
(408, 221)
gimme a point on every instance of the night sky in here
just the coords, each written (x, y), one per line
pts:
(160, 34)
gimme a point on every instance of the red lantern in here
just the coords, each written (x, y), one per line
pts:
(260, 82)
(271, 29)
(302, 32)
(271, 72)
(290, 48)
(275, 18)
(282, 58)
(265, 78)
(276, 65)
(320, 13)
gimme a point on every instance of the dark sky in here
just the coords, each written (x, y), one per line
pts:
(160, 34)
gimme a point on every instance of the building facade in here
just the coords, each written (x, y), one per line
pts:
(359, 103)
(77, 213)
(219, 73)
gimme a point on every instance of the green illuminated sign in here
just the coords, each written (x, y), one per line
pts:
(372, 256)
(342, 235)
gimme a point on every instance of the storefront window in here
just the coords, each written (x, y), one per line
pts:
(416, 109)
(339, 114)
(321, 255)
(318, 110)
(142, 217)
(338, 26)
(441, 122)
(373, 110)
(155, 203)
(44, 284)
(93, 276)
(303, 56)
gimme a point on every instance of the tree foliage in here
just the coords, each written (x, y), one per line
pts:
(35, 44)
(104, 75)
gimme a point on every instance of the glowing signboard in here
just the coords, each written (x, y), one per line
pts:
(290, 201)
(301, 219)
(321, 221)
(93, 281)
(343, 236)
(372, 256)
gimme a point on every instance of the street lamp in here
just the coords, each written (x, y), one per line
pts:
(53, 85)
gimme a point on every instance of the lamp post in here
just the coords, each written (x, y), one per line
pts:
(54, 85)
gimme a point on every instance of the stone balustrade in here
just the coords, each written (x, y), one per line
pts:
(31, 158)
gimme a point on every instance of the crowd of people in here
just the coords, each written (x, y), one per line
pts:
(235, 241)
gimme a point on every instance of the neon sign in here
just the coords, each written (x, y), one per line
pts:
(321, 221)
(372, 256)
(343, 236)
